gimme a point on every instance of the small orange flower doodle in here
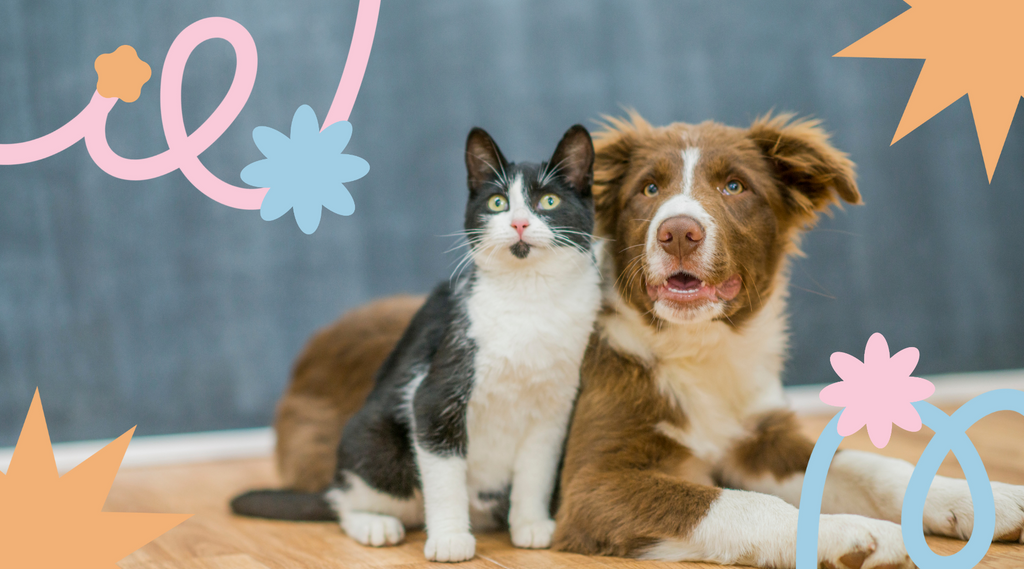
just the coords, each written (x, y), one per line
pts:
(55, 522)
(122, 74)
(970, 47)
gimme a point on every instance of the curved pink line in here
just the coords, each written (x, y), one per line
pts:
(221, 118)
(238, 93)
(133, 169)
(355, 63)
(58, 140)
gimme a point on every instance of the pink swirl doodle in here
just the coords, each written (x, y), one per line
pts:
(184, 149)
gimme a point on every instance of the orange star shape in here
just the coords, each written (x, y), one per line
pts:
(970, 47)
(122, 74)
(55, 522)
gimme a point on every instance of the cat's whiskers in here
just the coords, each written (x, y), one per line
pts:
(463, 263)
(569, 242)
(566, 241)
(467, 257)
(463, 233)
(562, 229)
(458, 246)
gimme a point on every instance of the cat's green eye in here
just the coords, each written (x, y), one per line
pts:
(497, 203)
(548, 201)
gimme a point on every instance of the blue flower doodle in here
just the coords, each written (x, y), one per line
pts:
(306, 172)
(950, 435)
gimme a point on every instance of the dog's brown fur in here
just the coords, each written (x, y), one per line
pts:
(616, 462)
(625, 484)
(329, 383)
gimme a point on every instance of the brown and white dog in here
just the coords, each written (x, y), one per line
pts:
(681, 446)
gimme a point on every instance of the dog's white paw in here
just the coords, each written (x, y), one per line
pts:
(856, 542)
(373, 529)
(949, 511)
(533, 535)
(450, 548)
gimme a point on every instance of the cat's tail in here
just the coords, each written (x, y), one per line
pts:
(284, 505)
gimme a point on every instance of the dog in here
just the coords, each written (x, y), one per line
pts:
(681, 447)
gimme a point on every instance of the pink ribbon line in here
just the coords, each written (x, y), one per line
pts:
(184, 149)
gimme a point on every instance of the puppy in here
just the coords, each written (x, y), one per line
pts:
(681, 446)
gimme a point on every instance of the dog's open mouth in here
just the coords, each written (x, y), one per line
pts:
(683, 287)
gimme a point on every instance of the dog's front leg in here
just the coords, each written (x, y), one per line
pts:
(874, 485)
(774, 458)
(750, 528)
(647, 514)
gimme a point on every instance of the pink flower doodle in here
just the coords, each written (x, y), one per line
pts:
(877, 392)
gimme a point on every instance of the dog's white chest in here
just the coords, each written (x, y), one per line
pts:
(719, 396)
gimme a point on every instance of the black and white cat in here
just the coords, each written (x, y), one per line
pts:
(466, 423)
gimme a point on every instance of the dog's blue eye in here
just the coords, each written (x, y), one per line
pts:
(732, 188)
(651, 190)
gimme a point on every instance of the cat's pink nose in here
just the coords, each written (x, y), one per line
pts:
(520, 226)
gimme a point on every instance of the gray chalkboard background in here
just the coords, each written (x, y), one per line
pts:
(148, 303)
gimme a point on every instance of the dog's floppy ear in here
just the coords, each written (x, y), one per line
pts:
(574, 159)
(614, 146)
(484, 159)
(813, 173)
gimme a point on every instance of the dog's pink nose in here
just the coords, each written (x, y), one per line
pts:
(680, 236)
(520, 226)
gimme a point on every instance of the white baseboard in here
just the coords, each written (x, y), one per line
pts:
(167, 449)
(255, 443)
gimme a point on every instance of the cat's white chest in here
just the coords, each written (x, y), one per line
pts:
(530, 338)
(532, 322)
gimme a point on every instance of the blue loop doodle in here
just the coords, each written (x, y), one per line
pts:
(950, 435)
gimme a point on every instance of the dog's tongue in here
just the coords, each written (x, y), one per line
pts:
(684, 287)
(683, 282)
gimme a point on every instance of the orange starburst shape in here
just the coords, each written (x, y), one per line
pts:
(55, 522)
(970, 47)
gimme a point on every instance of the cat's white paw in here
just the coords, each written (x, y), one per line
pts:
(949, 511)
(450, 548)
(373, 529)
(856, 542)
(533, 535)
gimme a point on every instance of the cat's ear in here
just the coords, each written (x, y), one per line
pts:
(484, 160)
(574, 159)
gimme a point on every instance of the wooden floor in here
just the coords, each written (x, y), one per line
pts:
(214, 539)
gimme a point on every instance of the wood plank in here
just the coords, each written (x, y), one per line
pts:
(220, 562)
(215, 539)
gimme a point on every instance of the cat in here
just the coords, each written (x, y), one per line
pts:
(466, 423)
